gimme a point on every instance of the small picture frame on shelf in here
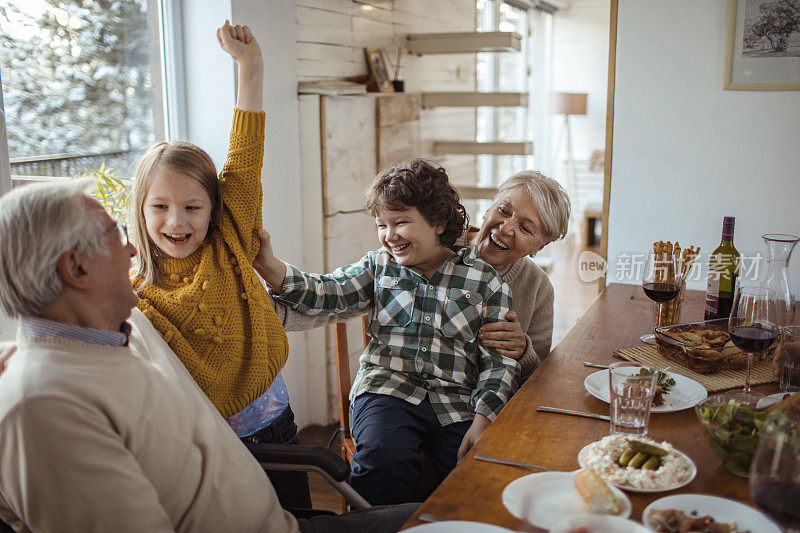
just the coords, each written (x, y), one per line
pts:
(378, 70)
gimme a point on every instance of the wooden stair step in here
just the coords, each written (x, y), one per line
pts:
(463, 42)
(481, 148)
(474, 99)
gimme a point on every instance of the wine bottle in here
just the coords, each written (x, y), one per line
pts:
(723, 270)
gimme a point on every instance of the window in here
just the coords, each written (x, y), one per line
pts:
(502, 72)
(81, 85)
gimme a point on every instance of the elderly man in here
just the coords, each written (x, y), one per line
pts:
(101, 427)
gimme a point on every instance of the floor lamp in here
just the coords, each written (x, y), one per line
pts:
(567, 104)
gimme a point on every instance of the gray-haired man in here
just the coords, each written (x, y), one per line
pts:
(101, 427)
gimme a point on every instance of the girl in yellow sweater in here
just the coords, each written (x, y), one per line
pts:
(196, 235)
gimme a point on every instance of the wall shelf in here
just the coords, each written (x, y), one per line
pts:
(463, 43)
(482, 148)
(474, 99)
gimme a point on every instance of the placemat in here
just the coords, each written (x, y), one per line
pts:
(760, 373)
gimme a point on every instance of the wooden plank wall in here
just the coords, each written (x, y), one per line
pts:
(332, 34)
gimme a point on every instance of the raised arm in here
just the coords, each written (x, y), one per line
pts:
(238, 41)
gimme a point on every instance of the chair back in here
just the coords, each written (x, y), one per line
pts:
(343, 375)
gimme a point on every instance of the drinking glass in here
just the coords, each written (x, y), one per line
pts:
(661, 284)
(631, 395)
(753, 325)
(790, 359)
(775, 471)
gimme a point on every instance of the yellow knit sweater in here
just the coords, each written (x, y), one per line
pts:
(211, 307)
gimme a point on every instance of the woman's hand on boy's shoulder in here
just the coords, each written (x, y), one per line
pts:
(238, 41)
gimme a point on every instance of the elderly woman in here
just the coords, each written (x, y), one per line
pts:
(529, 212)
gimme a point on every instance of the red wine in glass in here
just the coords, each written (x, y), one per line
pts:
(753, 325)
(753, 339)
(780, 501)
(661, 292)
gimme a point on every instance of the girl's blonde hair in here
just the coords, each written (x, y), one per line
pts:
(178, 156)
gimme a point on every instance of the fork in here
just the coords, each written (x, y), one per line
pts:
(481, 457)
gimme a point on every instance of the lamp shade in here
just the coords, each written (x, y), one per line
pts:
(568, 103)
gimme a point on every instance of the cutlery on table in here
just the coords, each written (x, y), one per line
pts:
(569, 412)
(481, 457)
(594, 365)
(427, 517)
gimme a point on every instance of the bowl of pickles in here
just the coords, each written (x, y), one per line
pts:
(733, 426)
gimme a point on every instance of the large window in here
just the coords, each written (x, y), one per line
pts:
(81, 84)
(502, 72)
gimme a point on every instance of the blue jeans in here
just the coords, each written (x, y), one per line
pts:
(392, 437)
(291, 487)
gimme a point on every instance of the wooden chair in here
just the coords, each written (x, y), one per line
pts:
(343, 374)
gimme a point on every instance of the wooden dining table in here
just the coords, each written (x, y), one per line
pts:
(615, 320)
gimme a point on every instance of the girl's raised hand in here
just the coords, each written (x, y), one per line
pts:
(239, 43)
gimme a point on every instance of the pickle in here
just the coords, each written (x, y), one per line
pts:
(652, 449)
(638, 460)
(652, 463)
(625, 458)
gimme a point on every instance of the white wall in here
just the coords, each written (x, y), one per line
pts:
(686, 152)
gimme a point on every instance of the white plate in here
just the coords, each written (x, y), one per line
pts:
(692, 473)
(723, 510)
(550, 496)
(458, 526)
(685, 393)
(772, 399)
(598, 524)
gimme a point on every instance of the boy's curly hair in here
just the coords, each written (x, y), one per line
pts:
(422, 184)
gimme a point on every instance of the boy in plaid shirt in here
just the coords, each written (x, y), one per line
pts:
(424, 379)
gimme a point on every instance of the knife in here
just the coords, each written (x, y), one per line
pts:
(576, 413)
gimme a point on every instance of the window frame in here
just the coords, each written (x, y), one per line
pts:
(166, 24)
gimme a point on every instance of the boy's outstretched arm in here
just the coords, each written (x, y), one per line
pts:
(239, 42)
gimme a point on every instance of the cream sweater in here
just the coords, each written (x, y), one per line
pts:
(101, 438)
(533, 303)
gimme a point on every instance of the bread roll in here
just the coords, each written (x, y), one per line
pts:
(596, 493)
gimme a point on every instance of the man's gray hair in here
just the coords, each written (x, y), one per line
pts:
(549, 198)
(38, 223)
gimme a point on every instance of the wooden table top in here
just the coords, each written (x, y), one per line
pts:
(615, 320)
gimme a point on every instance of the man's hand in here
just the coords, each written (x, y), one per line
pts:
(7, 349)
(506, 337)
(267, 265)
(472, 435)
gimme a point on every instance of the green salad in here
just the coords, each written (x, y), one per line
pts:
(733, 432)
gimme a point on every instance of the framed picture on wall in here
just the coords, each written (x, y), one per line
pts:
(378, 70)
(763, 48)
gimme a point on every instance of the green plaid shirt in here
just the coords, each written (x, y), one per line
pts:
(423, 331)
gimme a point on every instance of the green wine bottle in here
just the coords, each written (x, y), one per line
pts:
(723, 271)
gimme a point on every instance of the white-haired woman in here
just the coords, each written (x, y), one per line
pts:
(529, 211)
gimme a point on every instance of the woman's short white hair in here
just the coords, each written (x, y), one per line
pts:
(549, 198)
(38, 223)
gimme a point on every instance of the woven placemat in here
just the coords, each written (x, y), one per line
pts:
(760, 374)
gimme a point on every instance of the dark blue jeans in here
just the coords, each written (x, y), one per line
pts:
(392, 436)
(291, 487)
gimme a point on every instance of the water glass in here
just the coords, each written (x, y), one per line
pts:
(790, 359)
(631, 398)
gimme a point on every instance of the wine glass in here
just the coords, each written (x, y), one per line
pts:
(775, 471)
(660, 283)
(753, 325)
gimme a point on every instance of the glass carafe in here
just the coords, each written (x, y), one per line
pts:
(779, 250)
